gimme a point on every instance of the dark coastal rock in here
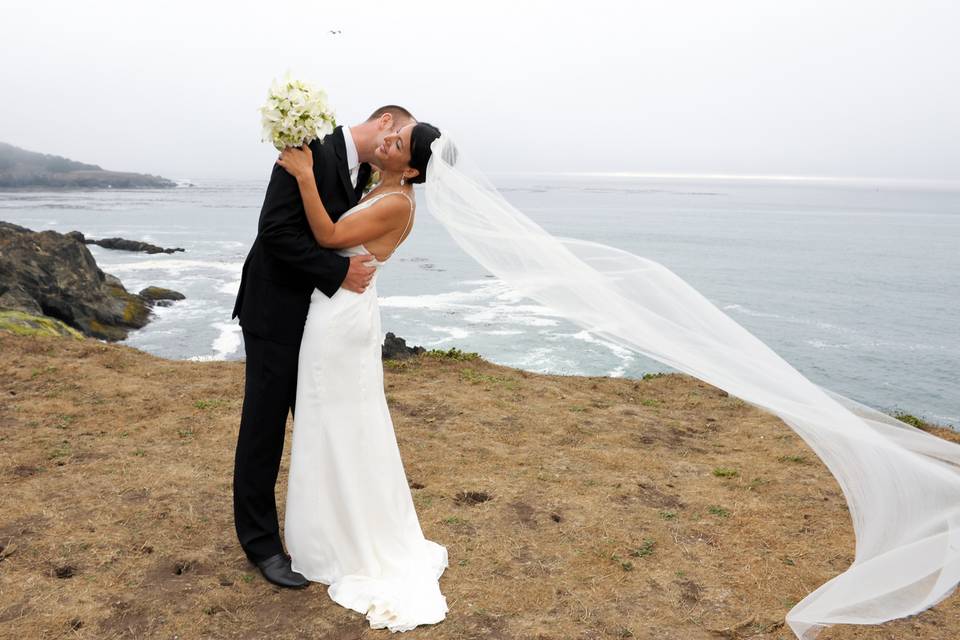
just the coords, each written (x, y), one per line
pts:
(132, 245)
(128, 245)
(55, 275)
(160, 296)
(395, 348)
(20, 168)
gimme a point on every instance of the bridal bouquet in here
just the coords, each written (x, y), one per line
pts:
(295, 113)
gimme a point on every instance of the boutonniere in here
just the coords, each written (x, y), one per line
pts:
(372, 181)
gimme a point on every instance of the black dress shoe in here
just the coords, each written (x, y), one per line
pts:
(276, 569)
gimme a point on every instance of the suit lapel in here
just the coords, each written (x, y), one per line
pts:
(340, 150)
(363, 174)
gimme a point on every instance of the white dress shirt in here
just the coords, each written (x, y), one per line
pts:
(353, 161)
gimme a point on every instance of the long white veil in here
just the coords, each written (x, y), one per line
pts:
(902, 485)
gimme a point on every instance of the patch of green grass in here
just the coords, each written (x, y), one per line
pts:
(798, 459)
(649, 402)
(789, 562)
(653, 376)
(717, 510)
(668, 515)
(60, 451)
(910, 419)
(64, 421)
(394, 365)
(421, 500)
(475, 377)
(578, 408)
(208, 404)
(725, 472)
(645, 549)
(185, 433)
(756, 483)
(452, 354)
(454, 520)
(248, 577)
(139, 452)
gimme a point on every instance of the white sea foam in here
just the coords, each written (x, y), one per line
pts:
(490, 303)
(228, 342)
(792, 319)
(453, 333)
(586, 336)
(230, 287)
(820, 344)
(175, 266)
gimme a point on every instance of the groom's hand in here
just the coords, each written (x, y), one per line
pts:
(359, 274)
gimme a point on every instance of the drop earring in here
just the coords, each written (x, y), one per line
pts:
(401, 181)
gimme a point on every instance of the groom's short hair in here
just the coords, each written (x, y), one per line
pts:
(398, 113)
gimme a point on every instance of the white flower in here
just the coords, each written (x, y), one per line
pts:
(295, 113)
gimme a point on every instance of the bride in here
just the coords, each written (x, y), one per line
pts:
(350, 521)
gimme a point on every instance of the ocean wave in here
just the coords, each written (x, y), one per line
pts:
(490, 303)
(453, 333)
(175, 265)
(792, 319)
(231, 287)
(820, 344)
(228, 342)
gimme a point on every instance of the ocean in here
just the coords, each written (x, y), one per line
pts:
(856, 284)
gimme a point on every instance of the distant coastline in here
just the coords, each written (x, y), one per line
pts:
(21, 169)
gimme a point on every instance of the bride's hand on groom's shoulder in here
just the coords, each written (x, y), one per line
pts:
(298, 161)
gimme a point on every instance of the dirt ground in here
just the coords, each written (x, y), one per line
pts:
(571, 507)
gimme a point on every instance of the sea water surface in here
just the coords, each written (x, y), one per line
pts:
(856, 284)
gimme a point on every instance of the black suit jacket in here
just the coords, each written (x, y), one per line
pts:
(285, 263)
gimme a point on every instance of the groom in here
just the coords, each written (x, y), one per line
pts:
(284, 266)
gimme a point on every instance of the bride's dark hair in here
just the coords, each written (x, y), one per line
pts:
(421, 137)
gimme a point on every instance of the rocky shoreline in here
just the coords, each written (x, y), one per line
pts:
(54, 275)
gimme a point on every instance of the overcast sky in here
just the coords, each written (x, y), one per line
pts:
(839, 88)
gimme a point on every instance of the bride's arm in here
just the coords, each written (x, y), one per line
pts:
(375, 221)
(299, 163)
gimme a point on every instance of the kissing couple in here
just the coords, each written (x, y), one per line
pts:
(308, 308)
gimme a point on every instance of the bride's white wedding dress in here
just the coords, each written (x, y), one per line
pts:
(350, 521)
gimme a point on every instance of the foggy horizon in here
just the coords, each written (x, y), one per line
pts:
(861, 91)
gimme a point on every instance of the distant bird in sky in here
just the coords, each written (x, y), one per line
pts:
(337, 32)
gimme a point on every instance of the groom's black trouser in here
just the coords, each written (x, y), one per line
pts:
(269, 391)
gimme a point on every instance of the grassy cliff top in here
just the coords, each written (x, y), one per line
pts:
(571, 507)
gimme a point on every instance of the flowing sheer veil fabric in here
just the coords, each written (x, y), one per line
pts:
(902, 485)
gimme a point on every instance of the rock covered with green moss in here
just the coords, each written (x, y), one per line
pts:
(26, 324)
(52, 274)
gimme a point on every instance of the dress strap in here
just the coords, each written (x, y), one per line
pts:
(409, 219)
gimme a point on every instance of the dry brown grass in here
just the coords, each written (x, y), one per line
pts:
(571, 507)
